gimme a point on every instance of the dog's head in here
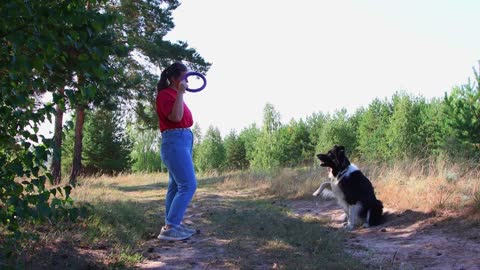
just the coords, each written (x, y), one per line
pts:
(335, 159)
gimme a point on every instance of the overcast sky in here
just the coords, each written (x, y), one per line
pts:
(309, 56)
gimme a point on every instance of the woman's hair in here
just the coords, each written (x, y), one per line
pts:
(174, 70)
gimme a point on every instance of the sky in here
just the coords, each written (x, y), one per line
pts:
(306, 56)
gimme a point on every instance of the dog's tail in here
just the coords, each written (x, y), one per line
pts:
(376, 213)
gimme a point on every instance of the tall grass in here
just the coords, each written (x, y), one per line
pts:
(417, 184)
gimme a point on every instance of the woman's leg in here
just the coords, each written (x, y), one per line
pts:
(171, 192)
(177, 156)
(184, 176)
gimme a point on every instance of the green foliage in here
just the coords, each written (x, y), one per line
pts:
(402, 133)
(372, 131)
(39, 41)
(106, 146)
(146, 150)
(211, 152)
(85, 47)
(338, 129)
(236, 154)
(403, 127)
(267, 151)
(145, 25)
(249, 137)
(315, 124)
(433, 130)
(67, 149)
(463, 111)
(294, 142)
(271, 119)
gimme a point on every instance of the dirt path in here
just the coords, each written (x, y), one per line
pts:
(203, 251)
(407, 240)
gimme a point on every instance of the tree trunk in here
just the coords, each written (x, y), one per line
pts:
(56, 166)
(78, 147)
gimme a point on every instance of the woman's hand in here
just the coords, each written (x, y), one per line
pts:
(182, 86)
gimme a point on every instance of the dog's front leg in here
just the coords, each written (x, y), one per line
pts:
(354, 215)
(351, 218)
(346, 218)
(323, 186)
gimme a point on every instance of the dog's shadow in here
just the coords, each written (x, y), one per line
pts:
(405, 218)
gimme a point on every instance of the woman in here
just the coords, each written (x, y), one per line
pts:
(176, 151)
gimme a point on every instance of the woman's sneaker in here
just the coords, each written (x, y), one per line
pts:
(183, 228)
(173, 234)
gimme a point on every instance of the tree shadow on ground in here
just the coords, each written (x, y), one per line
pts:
(106, 239)
(262, 233)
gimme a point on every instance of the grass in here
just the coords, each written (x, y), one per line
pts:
(414, 185)
(124, 213)
(261, 234)
(127, 212)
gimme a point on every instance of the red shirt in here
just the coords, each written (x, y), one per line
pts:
(165, 100)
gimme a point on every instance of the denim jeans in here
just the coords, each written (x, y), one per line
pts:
(176, 153)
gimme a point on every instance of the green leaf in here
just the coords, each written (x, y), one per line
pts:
(43, 210)
(83, 57)
(73, 214)
(67, 189)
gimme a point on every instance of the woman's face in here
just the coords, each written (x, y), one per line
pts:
(177, 80)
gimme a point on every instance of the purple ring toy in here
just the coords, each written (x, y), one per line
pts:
(193, 73)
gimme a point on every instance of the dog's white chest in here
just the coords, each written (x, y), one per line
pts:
(339, 194)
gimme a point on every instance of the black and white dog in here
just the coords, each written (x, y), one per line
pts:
(353, 190)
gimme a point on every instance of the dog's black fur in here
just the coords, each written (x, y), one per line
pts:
(354, 185)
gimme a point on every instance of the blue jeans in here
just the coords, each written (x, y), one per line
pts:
(176, 153)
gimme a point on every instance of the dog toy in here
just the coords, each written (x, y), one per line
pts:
(193, 73)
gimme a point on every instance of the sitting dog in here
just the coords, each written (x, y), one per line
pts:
(353, 190)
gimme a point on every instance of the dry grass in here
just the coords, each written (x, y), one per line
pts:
(416, 185)
(106, 188)
(428, 187)
(285, 183)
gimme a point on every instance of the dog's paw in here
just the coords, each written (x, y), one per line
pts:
(349, 226)
(366, 225)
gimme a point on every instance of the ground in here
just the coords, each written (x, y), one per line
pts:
(407, 239)
(243, 227)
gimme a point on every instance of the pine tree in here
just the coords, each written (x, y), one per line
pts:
(463, 110)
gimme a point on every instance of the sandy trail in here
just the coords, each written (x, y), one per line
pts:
(407, 239)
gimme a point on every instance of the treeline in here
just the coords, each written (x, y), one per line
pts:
(403, 127)
(389, 130)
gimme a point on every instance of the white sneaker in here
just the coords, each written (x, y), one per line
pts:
(173, 234)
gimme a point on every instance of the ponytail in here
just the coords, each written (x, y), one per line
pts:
(174, 70)
(163, 83)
